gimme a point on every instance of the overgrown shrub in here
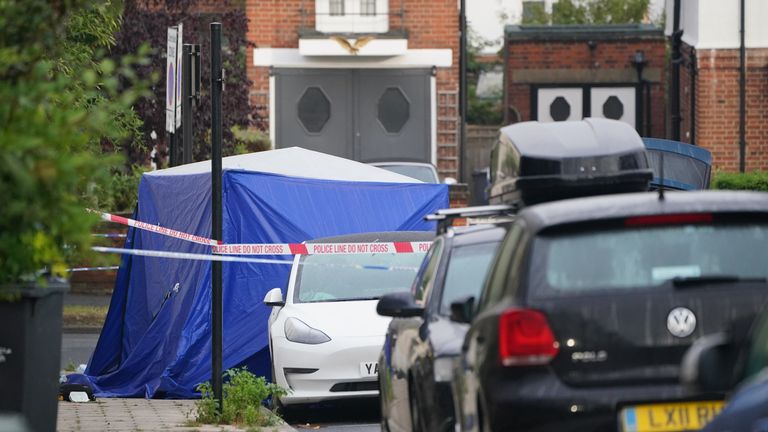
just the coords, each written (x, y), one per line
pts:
(243, 394)
(60, 98)
(754, 181)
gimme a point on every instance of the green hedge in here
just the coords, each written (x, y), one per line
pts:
(755, 180)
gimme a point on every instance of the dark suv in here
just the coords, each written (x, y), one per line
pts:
(591, 304)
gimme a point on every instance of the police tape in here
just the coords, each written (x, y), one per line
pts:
(109, 235)
(346, 248)
(218, 248)
(227, 258)
(155, 228)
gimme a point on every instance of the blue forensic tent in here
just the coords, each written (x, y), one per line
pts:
(156, 338)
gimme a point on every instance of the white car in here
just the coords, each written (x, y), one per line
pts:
(325, 335)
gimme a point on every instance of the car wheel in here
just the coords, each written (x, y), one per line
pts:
(417, 419)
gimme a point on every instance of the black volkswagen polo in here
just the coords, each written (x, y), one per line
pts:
(591, 304)
(416, 363)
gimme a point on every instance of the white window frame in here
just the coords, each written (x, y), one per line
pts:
(352, 21)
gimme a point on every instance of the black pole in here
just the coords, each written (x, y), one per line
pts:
(648, 129)
(639, 101)
(216, 273)
(742, 96)
(674, 87)
(174, 149)
(692, 103)
(186, 102)
(462, 88)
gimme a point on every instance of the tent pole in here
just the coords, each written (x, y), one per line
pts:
(216, 266)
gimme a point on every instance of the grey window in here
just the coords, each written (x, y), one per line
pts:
(497, 280)
(560, 109)
(647, 257)
(337, 7)
(394, 110)
(426, 278)
(466, 273)
(613, 108)
(314, 109)
(367, 7)
(324, 278)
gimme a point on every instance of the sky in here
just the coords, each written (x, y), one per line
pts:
(483, 16)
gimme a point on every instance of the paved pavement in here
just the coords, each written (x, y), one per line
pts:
(86, 299)
(123, 415)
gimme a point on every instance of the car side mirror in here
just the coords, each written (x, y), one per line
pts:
(399, 305)
(274, 298)
(705, 364)
(463, 310)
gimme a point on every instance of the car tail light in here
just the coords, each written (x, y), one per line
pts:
(525, 338)
(669, 219)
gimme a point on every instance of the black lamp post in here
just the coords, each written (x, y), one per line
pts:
(639, 62)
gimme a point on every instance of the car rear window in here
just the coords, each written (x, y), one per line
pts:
(323, 278)
(643, 257)
(467, 269)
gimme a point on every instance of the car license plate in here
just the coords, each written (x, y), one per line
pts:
(680, 416)
(368, 369)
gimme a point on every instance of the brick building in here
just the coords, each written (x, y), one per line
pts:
(568, 72)
(369, 80)
(709, 80)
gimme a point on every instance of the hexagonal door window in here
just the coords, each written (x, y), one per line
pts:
(394, 110)
(314, 109)
(559, 109)
(613, 108)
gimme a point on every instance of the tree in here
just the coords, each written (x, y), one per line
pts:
(589, 12)
(146, 21)
(58, 101)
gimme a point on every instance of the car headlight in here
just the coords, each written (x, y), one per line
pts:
(443, 369)
(298, 331)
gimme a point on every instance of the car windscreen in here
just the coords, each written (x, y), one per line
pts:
(684, 169)
(323, 278)
(467, 269)
(423, 173)
(645, 257)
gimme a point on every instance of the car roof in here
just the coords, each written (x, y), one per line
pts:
(388, 163)
(619, 206)
(478, 233)
(380, 236)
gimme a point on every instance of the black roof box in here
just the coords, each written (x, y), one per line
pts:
(536, 162)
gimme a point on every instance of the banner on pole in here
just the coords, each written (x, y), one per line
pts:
(171, 77)
(179, 63)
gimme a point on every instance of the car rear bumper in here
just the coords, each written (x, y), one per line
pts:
(542, 403)
(328, 371)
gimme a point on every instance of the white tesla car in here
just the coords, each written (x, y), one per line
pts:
(325, 335)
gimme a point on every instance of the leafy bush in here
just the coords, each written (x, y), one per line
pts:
(58, 102)
(755, 181)
(250, 140)
(243, 394)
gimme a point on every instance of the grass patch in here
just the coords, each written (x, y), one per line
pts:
(84, 316)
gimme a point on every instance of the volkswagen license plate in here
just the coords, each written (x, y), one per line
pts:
(368, 369)
(679, 416)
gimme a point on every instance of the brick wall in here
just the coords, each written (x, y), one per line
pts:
(574, 62)
(717, 106)
(429, 24)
